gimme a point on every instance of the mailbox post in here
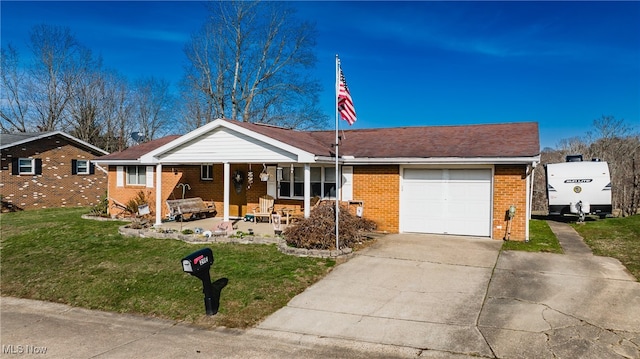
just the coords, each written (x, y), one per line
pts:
(198, 264)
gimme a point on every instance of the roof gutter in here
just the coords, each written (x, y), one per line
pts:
(350, 160)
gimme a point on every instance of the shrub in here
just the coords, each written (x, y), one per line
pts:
(318, 231)
(101, 209)
(133, 204)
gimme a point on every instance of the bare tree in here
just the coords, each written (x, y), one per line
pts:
(58, 57)
(85, 117)
(14, 106)
(117, 111)
(250, 62)
(153, 107)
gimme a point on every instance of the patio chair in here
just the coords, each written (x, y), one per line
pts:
(264, 209)
(313, 204)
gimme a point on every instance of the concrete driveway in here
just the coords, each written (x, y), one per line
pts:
(448, 296)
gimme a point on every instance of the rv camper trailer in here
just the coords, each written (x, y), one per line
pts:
(579, 187)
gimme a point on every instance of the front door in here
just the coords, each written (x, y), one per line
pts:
(238, 191)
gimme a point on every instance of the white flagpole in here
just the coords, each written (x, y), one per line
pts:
(337, 144)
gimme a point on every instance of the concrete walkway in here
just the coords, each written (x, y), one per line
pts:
(407, 296)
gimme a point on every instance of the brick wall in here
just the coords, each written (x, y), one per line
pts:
(56, 186)
(509, 188)
(209, 190)
(379, 188)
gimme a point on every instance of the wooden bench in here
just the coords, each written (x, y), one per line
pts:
(194, 207)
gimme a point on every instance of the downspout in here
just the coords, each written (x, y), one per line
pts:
(100, 168)
(530, 182)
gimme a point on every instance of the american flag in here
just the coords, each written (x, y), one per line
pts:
(345, 104)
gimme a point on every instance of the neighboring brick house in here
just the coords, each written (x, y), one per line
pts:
(49, 169)
(442, 179)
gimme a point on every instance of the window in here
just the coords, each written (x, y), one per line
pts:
(26, 166)
(81, 167)
(316, 181)
(285, 183)
(323, 182)
(329, 182)
(136, 175)
(206, 172)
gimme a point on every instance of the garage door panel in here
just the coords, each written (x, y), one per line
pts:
(447, 201)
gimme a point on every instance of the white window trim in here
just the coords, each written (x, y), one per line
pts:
(126, 175)
(292, 183)
(33, 166)
(202, 177)
(86, 172)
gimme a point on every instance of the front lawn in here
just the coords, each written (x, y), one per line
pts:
(54, 255)
(541, 239)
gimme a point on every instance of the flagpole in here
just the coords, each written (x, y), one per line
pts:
(337, 144)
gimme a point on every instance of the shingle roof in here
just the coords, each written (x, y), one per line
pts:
(490, 140)
(135, 152)
(14, 139)
(471, 141)
(9, 138)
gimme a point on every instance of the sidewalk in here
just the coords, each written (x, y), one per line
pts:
(35, 329)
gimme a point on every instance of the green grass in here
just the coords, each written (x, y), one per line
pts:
(54, 255)
(541, 239)
(614, 237)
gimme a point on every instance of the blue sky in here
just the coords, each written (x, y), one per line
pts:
(561, 64)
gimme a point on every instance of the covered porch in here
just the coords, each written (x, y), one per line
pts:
(227, 164)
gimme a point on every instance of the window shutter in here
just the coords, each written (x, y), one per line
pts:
(38, 166)
(15, 170)
(149, 177)
(272, 182)
(74, 167)
(347, 183)
(92, 168)
(120, 176)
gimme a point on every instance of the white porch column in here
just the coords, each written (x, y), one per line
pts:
(307, 190)
(227, 178)
(158, 195)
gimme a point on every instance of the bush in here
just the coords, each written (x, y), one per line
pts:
(101, 209)
(133, 203)
(318, 231)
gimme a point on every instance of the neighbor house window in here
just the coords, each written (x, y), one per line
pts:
(323, 182)
(26, 166)
(206, 172)
(81, 167)
(136, 175)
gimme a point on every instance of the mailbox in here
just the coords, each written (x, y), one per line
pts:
(198, 264)
(198, 261)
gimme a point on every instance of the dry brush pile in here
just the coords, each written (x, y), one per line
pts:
(318, 231)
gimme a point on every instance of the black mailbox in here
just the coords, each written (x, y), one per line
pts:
(198, 264)
(198, 261)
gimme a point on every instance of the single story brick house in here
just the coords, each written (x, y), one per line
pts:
(458, 180)
(49, 169)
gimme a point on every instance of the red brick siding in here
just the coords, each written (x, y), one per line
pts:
(56, 186)
(509, 188)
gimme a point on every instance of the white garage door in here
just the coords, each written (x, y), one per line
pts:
(446, 201)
